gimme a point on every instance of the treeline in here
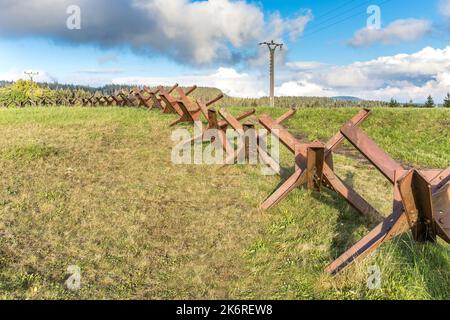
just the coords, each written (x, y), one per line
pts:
(206, 94)
(429, 103)
(24, 91)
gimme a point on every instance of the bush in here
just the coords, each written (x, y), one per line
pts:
(23, 91)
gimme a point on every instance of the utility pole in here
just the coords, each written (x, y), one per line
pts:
(272, 48)
(31, 74)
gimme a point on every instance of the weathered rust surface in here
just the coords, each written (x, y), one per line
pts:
(286, 116)
(170, 104)
(441, 208)
(338, 138)
(279, 131)
(315, 163)
(144, 101)
(211, 115)
(294, 181)
(399, 222)
(310, 157)
(350, 195)
(189, 110)
(380, 159)
(415, 191)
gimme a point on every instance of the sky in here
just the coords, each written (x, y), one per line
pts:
(377, 49)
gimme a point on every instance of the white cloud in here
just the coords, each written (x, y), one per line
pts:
(304, 65)
(100, 71)
(296, 26)
(403, 76)
(398, 31)
(195, 32)
(232, 83)
(444, 7)
(228, 80)
(15, 74)
(204, 29)
(303, 88)
(107, 58)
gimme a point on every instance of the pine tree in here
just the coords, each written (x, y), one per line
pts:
(429, 103)
(447, 101)
(409, 104)
(394, 104)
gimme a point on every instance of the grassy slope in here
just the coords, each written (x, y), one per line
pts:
(96, 188)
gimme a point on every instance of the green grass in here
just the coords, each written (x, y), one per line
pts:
(96, 188)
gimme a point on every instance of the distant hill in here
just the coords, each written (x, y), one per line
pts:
(347, 98)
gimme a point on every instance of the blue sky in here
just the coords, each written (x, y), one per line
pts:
(323, 46)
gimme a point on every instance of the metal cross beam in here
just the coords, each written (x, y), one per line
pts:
(211, 115)
(314, 166)
(421, 197)
(421, 202)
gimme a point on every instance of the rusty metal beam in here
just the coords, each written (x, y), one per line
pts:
(315, 163)
(416, 197)
(294, 181)
(380, 159)
(397, 223)
(350, 195)
(279, 131)
(286, 116)
(441, 207)
(338, 138)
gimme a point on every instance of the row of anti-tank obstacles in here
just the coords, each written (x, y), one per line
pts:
(421, 198)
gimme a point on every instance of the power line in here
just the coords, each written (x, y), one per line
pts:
(338, 22)
(31, 74)
(366, 2)
(334, 10)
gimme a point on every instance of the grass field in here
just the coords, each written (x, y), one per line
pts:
(96, 188)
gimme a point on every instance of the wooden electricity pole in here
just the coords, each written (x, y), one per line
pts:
(31, 74)
(272, 48)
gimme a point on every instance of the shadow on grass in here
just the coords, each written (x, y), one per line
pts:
(348, 220)
(429, 262)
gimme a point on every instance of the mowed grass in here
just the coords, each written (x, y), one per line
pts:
(96, 188)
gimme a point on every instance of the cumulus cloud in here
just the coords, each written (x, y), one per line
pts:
(304, 65)
(228, 80)
(275, 29)
(107, 58)
(100, 71)
(403, 77)
(444, 8)
(398, 31)
(304, 88)
(296, 26)
(195, 32)
(14, 75)
(233, 83)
